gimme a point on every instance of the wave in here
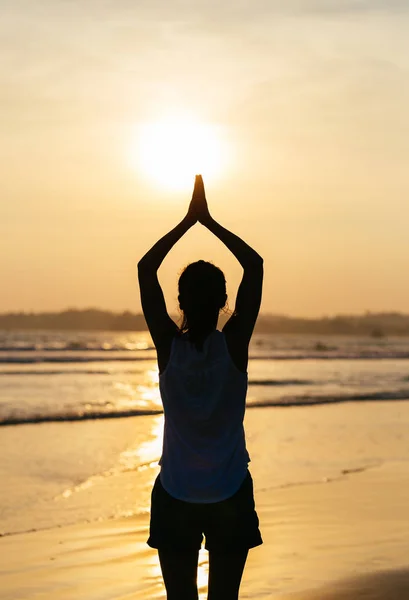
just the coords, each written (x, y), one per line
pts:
(17, 358)
(71, 372)
(37, 359)
(41, 372)
(76, 347)
(80, 416)
(304, 400)
(352, 355)
(278, 382)
(315, 399)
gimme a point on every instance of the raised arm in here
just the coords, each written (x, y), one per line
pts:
(153, 259)
(246, 256)
(248, 300)
(160, 325)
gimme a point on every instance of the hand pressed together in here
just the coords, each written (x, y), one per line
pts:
(198, 209)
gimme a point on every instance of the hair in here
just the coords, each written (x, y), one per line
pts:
(202, 294)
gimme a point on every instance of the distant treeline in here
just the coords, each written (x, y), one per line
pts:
(373, 324)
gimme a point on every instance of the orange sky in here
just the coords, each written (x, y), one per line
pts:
(311, 98)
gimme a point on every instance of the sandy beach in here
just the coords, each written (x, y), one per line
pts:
(331, 534)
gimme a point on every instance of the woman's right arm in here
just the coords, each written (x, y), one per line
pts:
(248, 300)
(246, 256)
(241, 323)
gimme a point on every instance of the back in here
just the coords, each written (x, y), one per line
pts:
(204, 455)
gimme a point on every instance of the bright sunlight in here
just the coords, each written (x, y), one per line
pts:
(170, 152)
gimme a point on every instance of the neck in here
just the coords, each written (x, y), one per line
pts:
(200, 333)
(202, 326)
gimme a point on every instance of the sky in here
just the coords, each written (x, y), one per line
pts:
(310, 98)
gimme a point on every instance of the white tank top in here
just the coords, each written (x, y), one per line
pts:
(204, 457)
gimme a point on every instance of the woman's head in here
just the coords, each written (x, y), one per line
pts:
(202, 294)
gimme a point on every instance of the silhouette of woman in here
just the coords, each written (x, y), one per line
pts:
(204, 486)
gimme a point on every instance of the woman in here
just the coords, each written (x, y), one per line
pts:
(204, 486)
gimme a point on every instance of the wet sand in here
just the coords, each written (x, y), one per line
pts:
(331, 538)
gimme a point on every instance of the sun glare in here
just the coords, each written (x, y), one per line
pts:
(171, 152)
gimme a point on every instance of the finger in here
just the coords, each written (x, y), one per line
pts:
(199, 190)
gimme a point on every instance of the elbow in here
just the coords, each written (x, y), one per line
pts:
(146, 267)
(142, 269)
(142, 264)
(258, 260)
(255, 263)
(258, 266)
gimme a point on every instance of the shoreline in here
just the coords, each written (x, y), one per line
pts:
(303, 402)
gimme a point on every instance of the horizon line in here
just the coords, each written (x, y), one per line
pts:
(262, 314)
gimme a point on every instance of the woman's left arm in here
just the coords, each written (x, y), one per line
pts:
(154, 257)
(159, 323)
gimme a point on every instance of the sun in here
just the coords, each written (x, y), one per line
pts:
(170, 152)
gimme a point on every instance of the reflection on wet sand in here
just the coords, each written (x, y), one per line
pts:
(148, 455)
(154, 575)
(203, 574)
(382, 585)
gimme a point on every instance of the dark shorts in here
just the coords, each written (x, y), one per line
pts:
(228, 525)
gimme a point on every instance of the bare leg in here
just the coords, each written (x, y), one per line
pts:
(225, 572)
(179, 570)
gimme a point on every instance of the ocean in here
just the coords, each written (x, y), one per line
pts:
(81, 417)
